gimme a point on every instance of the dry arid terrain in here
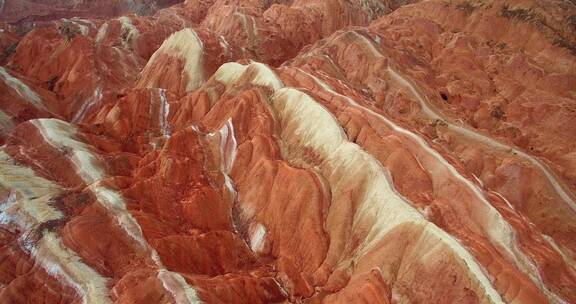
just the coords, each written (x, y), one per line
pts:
(306, 151)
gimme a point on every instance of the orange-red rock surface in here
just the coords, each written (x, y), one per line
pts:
(288, 151)
(25, 11)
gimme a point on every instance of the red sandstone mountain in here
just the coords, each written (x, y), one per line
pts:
(21, 11)
(288, 151)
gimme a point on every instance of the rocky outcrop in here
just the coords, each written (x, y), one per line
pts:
(291, 152)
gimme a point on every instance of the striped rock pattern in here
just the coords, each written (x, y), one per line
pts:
(291, 152)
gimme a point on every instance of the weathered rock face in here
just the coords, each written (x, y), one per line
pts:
(289, 152)
(23, 11)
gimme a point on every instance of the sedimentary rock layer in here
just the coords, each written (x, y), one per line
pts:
(288, 152)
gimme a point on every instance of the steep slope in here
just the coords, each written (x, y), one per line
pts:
(291, 152)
